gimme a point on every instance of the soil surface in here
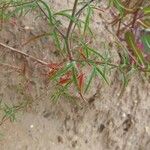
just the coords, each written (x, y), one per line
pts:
(105, 122)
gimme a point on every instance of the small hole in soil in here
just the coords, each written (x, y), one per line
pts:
(46, 115)
(56, 53)
(86, 141)
(59, 139)
(7, 42)
(101, 128)
(91, 100)
(74, 143)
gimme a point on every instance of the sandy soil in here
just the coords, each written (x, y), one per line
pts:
(105, 122)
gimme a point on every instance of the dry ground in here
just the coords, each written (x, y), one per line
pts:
(105, 122)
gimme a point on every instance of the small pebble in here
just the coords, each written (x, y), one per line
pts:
(124, 115)
(28, 28)
(147, 129)
(31, 126)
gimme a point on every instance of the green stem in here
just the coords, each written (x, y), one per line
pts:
(70, 55)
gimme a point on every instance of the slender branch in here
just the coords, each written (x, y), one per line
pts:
(69, 30)
(48, 18)
(81, 9)
(136, 12)
(119, 26)
(24, 54)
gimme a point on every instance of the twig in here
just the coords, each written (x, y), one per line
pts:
(24, 54)
(48, 18)
(80, 10)
(136, 13)
(69, 30)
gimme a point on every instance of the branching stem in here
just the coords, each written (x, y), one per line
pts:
(24, 54)
(69, 30)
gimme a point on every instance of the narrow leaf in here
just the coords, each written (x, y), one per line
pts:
(49, 11)
(129, 37)
(146, 41)
(81, 81)
(91, 50)
(146, 10)
(67, 16)
(74, 77)
(90, 80)
(121, 7)
(102, 75)
(87, 19)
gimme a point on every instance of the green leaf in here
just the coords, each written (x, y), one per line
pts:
(129, 37)
(63, 11)
(70, 17)
(110, 3)
(53, 22)
(101, 74)
(56, 39)
(50, 17)
(19, 7)
(87, 19)
(10, 112)
(146, 41)
(90, 79)
(91, 50)
(86, 52)
(146, 10)
(74, 77)
(74, 19)
(119, 6)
